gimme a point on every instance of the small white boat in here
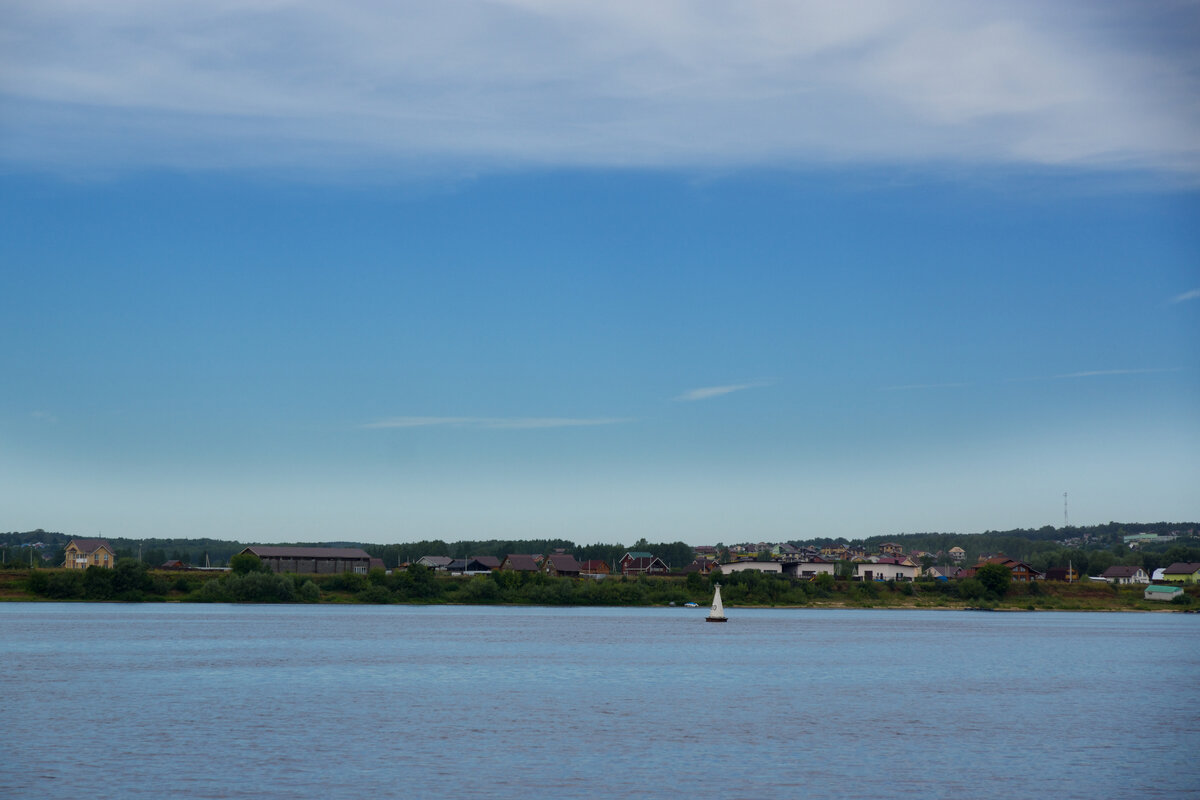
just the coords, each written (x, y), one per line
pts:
(717, 613)
(690, 604)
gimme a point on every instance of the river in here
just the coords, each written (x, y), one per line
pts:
(326, 701)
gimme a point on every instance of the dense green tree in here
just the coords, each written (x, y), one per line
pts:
(970, 589)
(996, 578)
(98, 582)
(243, 563)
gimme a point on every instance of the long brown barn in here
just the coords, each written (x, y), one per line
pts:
(313, 560)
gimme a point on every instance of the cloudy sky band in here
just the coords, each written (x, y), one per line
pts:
(587, 84)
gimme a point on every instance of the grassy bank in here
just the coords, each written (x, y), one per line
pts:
(747, 589)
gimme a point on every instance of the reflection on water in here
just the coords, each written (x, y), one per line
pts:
(150, 701)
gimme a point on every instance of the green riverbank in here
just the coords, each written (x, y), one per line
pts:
(130, 583)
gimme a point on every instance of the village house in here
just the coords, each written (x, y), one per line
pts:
(477, 565)
(440, 563)
(1067, 573)
(886, 569)
(943, 573)
(312, 560)
(1182, 572)
(1021, 572)
(957, 554)
(809, 569)
(1120, 574)
(640, 563)
(519, 562)
(744, 566)
(891, 548)
(562, 565)
(784, 552)
(594, 567)
(84, 553)
(701, 565)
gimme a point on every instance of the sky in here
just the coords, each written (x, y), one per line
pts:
(282, 271)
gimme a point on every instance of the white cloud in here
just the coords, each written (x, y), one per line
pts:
(706, 392)
(494, 423)
(1194, 294)
(300, 83)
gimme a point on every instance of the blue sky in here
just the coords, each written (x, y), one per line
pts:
(277, 271)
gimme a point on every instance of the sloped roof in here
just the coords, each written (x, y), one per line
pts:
(637, 554)
(592, 565)
(491, 562)
(90, 545)
(1121, 571)
(563, 562)
(1182, 568)
(306, 552)
(645, 563)
(519, 562)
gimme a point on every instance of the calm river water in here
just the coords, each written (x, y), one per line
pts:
(201, 701)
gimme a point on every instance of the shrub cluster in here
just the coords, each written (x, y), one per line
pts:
(129, 580)
(259, 587)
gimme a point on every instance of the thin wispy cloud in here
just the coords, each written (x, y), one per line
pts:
(306, 83)
(495, 423)
(1194, 294)
(909, 386)
(43, 416)
(708, 392)
(1095, 373)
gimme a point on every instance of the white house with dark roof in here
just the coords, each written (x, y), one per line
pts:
(1125, 574)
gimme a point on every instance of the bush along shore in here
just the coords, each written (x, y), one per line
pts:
(250, 582)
